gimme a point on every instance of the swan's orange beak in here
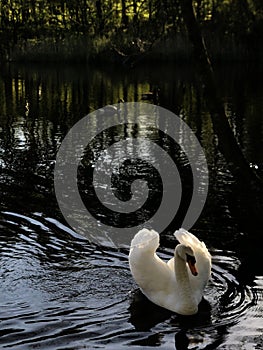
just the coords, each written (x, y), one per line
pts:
(191, 263)
(193, 269)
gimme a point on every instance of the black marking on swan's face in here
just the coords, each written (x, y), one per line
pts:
(190, 259)
(191, 263)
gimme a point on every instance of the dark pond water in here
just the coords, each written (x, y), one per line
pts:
(57, 290)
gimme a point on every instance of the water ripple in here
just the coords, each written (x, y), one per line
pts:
(60, 292)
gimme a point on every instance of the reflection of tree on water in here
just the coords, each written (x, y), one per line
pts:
(249, 186)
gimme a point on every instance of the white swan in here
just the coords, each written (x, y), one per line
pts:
(177, 285)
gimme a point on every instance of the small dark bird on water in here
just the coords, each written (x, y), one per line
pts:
(152, 96)
(111, 109)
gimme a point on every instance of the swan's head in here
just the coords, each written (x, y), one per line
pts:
(187, 254)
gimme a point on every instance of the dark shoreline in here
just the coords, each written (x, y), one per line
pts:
(101, 51)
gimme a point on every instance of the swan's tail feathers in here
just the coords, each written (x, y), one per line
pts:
(146, 239)
(187, 238)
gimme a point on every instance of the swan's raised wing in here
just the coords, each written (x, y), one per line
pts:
(203, 260)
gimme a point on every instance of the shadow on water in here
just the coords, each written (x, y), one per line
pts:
(59, 291)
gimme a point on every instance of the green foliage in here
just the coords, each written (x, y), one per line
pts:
(85, 29)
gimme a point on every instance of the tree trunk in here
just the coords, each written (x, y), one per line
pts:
(99, 15)
(124, 17)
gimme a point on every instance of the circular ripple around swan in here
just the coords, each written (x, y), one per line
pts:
(229, 298)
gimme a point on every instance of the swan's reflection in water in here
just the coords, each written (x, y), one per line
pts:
(181, 340)
(145, 315)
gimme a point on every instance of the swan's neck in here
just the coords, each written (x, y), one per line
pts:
(181, 272)
(184, 288)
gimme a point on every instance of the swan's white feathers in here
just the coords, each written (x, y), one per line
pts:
(157, 279)
(142, 253)
(202, 256)
(146, 238)
(188, 238)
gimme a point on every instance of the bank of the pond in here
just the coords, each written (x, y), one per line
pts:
(128, 51)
